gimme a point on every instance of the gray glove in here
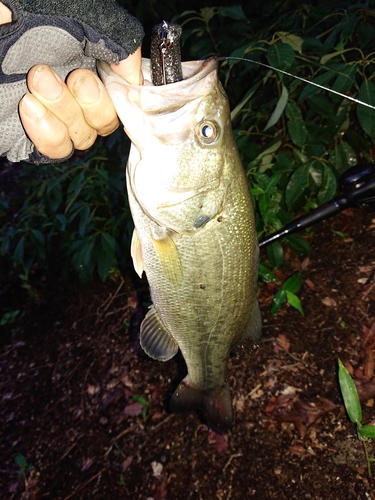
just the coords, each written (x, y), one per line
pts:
(64, 34)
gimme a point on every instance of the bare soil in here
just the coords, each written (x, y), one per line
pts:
(84, 413)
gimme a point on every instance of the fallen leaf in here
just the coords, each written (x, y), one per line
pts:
(298, 450)
(125, 464)
(368, 368)
(310, 284)
(289, 408)
(133, 410)
(365, 389)
(328, 301)
(282, 343)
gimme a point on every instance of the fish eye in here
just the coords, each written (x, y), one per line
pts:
(207, 132)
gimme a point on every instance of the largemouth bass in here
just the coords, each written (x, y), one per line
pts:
(194, 229)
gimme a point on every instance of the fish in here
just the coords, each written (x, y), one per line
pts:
(194, 233)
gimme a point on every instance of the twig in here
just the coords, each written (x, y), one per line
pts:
(68, 451)
(364, 295)
(237, 455)
(107, 303)
(113, 441)
(84, 485)
(160, 424)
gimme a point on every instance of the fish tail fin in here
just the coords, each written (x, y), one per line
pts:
(215, 404)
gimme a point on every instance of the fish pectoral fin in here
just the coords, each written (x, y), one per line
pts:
(215, 404)
(136, 253)
(156, 341)
(253, 331)
(169, 257)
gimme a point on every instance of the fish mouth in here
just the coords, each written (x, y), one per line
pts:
(192, 71)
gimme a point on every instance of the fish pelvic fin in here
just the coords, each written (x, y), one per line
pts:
(156, 341)
(136, 253)
(215, 405)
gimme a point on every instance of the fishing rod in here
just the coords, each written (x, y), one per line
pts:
(357, 188)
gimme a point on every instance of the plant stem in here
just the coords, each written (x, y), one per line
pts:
(367, 459)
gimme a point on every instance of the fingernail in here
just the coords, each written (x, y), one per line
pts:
(47, 83)
(86, 90)
(32, 107)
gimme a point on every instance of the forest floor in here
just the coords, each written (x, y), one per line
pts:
(84, 413)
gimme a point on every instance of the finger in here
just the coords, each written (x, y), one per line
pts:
(49, 135)
(51, 91)
(130, 68)
(94, 101)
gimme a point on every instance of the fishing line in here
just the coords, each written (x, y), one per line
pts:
(357, 101)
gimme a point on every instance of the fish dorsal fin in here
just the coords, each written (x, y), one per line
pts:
(156, 341)
(169, 257)
(136, 253)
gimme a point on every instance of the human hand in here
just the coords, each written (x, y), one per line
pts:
(59, 115)
(56, 114)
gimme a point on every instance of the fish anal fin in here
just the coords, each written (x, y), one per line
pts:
(252, 333)
(136, 253)
(169, 257)
(215, 404)
(156, 341)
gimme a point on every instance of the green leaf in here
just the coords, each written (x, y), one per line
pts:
(84, 219)
(86, 253)
(292, 284)
(278, 300)
(349, 395)
(297, 184)
(278, 111)
(21, 461)
(367, 431)
(346, 79)
(327, 57)
(294, 301)
(329, 186)
(105, 262)
(19, 251)
(311, 90)
(366, 116)
(276, 254)
(9, 317)
(108, 242)
(299, 244)
(39, 236)
(249, 94)
(265, 274)
(294, 41)
(343, 156)
(296, 125)
(60, 222)
(55, 197)
(75, 188)
(280, 55)
(365, 34)
(233, 12)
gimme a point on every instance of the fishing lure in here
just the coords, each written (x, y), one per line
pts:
(165, 53)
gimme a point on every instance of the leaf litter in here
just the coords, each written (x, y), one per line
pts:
(74, 383)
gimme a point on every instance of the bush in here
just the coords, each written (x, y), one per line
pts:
(75, 215)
